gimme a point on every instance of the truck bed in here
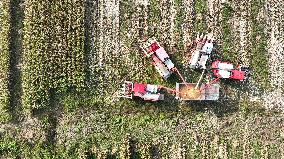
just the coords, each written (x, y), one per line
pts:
(186, 92)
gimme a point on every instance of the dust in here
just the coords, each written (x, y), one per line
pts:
(189, 92)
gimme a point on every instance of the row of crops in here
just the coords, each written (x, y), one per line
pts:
(53, 50)
(54, 53)
(4, 59)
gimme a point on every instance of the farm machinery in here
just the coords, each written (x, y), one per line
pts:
(160, 58)
(184, 91)
(226, 70)
(202, 52)
(147, 92)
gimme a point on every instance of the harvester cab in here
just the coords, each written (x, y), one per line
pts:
(147, 92)
(226, 70)
(161, 59)
(202, 52)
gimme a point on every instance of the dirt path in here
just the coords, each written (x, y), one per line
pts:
(275, 16)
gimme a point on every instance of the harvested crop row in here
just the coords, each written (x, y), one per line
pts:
(275, 16)
(213, 17)
(107, 45)
(178, 30)
(4, 59)
(53, 56)
(188, 27)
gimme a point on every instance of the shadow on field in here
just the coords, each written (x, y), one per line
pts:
(220, 108)
(91, 35)
(15, 47)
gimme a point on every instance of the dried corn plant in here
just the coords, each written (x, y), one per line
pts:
(53, 57)
(4, 59)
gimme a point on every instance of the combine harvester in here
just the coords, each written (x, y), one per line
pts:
(184, 91)
(202, 52)
(161, 59)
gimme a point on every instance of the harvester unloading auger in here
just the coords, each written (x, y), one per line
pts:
(184, 91)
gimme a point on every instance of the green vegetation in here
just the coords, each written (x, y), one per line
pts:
(259, 57)
(71, 119)
(178, 31)
(227, 45)
(200, 12)
(154, 19)
(54, 59)
(4, 59)
(103, 134)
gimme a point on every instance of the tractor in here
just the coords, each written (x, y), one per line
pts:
(202, 52)
(147, 92)
(226, 70)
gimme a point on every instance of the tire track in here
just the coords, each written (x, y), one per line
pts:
(275, 14)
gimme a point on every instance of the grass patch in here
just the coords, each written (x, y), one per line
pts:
(259, 57)
(154, 19)
(227, 37)
(200, 12)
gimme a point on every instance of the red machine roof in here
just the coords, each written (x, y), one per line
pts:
(154, 46)
(139, 89)
(238, 75)
(215, 64)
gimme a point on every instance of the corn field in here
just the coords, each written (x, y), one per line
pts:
(4, 60)
(62, 62)
(53, 50)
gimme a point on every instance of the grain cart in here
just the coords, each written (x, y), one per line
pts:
(226, 70)
(202, 52)
(161, 59)
(192, 91)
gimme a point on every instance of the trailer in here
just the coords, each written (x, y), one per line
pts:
(187, 92)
